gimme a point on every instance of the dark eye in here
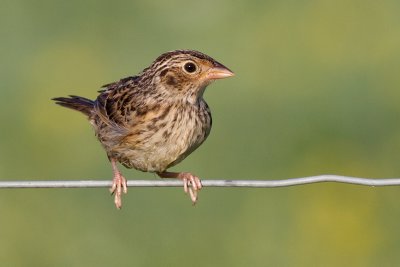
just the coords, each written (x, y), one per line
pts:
(190, 67)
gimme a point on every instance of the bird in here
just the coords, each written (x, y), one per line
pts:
(154, 120)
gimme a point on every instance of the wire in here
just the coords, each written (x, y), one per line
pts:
(205, 183)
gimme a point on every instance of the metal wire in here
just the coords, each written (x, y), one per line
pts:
(205, 183)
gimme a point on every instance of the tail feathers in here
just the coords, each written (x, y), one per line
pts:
(74, 102)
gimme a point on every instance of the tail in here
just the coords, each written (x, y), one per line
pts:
(74, 102)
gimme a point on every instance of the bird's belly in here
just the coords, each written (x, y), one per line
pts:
(155, 158)
(155, 151)
(157, 155)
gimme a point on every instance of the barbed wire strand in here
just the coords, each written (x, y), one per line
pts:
(205, 182)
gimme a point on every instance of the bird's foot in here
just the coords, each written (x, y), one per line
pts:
(119, 185)
(191, 183)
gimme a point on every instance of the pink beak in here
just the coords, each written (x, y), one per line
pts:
(219, 73)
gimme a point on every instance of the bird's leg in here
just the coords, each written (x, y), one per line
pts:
(119, 185)
(191, 183)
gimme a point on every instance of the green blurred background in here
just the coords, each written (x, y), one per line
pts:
(316, 91)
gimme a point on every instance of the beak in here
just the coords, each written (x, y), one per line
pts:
(219, 72)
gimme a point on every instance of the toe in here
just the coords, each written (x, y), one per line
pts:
(125, 186)
(185, 185)
(118, 201)
(193, 183)
(193, 195)
(198, 182)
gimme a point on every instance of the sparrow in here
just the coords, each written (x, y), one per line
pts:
(154, 120)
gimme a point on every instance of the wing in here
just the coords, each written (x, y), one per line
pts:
(114, 104)
(125, 107)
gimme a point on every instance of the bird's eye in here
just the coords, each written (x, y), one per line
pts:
(190, 67)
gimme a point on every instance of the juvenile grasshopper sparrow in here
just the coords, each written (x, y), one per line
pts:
(154, 120)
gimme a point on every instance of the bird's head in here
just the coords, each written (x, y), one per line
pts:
(186, 73)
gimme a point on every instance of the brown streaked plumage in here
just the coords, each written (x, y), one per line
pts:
(154, 120)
